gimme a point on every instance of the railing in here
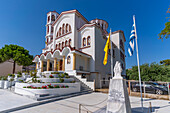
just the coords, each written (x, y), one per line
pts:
(149, 88)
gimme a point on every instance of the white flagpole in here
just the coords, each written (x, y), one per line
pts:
(138, 62)
(111, 50)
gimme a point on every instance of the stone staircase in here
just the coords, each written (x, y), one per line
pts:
(84, 83)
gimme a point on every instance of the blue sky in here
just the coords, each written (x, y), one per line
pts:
(22, 22)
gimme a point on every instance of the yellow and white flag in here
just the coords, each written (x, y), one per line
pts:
(106, 50)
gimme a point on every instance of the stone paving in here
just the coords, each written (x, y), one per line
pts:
(9, 100)
(71, 105)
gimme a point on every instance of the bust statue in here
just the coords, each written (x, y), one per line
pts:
(117, 70)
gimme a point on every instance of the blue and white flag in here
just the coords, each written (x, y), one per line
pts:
(132, 41)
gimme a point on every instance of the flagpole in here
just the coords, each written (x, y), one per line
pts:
(138, 62)
(111, 50)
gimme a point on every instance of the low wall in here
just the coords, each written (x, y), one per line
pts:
(73, 88)
(50, 80)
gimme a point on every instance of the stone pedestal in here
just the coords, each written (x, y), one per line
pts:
(118, 99)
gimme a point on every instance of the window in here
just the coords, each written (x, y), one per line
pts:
(63, 30)
(57, 34)
(88, 40)
(38, 65)
(51, 29)
(122, 56)
(69, 28)
(48, 18)
(51, 39)
(62, 44)
(66, 43)
(66, 28)
(60, 31)
(103, 80)
(53, 18)
(59, 45)
(84, 42)
(56, 46)
(122, 66)
(121, 44)
(68, 60)
(113, 53)
(69, 42)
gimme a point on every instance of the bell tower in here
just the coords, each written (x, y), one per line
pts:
(51, 17)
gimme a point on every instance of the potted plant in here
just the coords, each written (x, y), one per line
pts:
(61, 80)
(6, 83)
(51, 76)
(1, 82)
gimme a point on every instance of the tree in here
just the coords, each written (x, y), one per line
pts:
(152, 72)
(165, 62)
(165, 33)
(17, 53)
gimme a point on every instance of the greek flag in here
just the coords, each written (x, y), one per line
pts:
(132, 41)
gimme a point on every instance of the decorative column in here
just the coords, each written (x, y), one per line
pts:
(74, 61)
(63, 68)
(48, 65)
(55, 64)
(59, 65)
(42, 63)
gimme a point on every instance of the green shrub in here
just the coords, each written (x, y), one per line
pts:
(19, 73)
(5, 77)
(38, 81)
(62, 75)
(56, 86)
(12, 79)
(61, 80)
(72, 81)
(67, 76)
(34, 80)
(65, 73)
(20, 80)
(50, 86)
(19, 76)
(11, 75)
(55, 73)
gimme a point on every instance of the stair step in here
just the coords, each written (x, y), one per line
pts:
(52, 97)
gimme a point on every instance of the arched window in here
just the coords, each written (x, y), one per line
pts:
(68, 60)
(69, 42)
(38, 65)
(48, 18)
(60, 31)
(66, 43)
(84, 42)
(62, 44)
(53, 18)
(63, 30)
(51, 29)
(88, 41)
(69, 28)
(57, 34)
(51, 39)
(59, 46)
(66, 28)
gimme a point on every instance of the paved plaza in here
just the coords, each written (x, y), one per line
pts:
(94, 102)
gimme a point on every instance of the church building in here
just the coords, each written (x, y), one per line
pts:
(76, 46)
